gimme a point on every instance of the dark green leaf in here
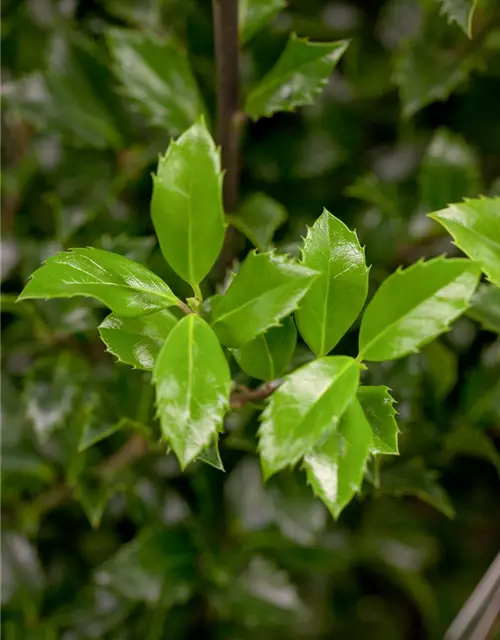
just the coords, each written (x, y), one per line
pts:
(22, 574)
(442, 365)
(486, 307)
(267, 288)
(377, 405)
(337, 296)
(267, 356)
(137, 341)
(415, 305)
(475, 227)
(304, 410)
(211, 456)
(187, 204)
(449, 172)
(413, 479)
(253, 15)
(461, 12)
(192, 381)
(156, 75)
(126, 287)
(470, 441)
(155, 560)
(335, 468)
(301, 72)
(258, 218)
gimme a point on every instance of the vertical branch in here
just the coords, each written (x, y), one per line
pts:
(225, 17)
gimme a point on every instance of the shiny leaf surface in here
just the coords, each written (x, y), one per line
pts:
(267, 288)
(187, 204)
(253, 15)
(267, 356)
(337, 296)
(475, 227)
(192, 381)
(415, 305)
(126, 287)
(137, 341)
(378, 407)
(301, 72)
(486, 307)
(304, 410)
(335, 468)
(258, 218)
(156, 75)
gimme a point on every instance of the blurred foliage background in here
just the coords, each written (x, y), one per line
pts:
(103, 538)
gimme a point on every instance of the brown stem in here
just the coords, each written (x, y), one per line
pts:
(244, 394)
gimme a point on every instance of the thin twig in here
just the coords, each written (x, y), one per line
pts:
(243, 395)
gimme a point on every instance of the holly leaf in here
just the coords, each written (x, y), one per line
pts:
(156, 76)
(304, 410)
(267, 288)
(187, 204)
(267, 356)
(461, 12)
(192, 381)
(125, 286)
(449, 171)
(253, 15)
(486, 307)
(415, 305)
(378, 407)
(137, 341)
(337, 295)
(335, 468)
(475, 227)
(301, 72)
(258, 218)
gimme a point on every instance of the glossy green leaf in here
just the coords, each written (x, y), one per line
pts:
(126, 287)
(449, 172)
(192, 381)
(378, 407)
(413, 306)
(156, 75)
(337, 296)
(267, 288)
(426, 72)
(486, 307)
(475, 227)
(413, 479)
(301, 72)
(142, 568)
(253, 15)
(187, 204)
(335, 468)
(461, 12)
(258, 218)
(211, 455)
(473, 442)
(305, 409)
(267, 356)
(137, 341)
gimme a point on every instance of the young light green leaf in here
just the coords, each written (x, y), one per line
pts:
(305, 409)
(267, 288)
(156, 75)
(192, 381)
(267, 356)
(335, 468)
(336, 297)
(377, 404)
(486, 307)
(413, 306)
(449, 172)
(137, 341)
(301, 72)
(187, 204)
(253, 15)
(475, 227)
(258, 218)
(125, 286)
(461, 12)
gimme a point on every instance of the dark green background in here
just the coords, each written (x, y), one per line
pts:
(218, 555)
